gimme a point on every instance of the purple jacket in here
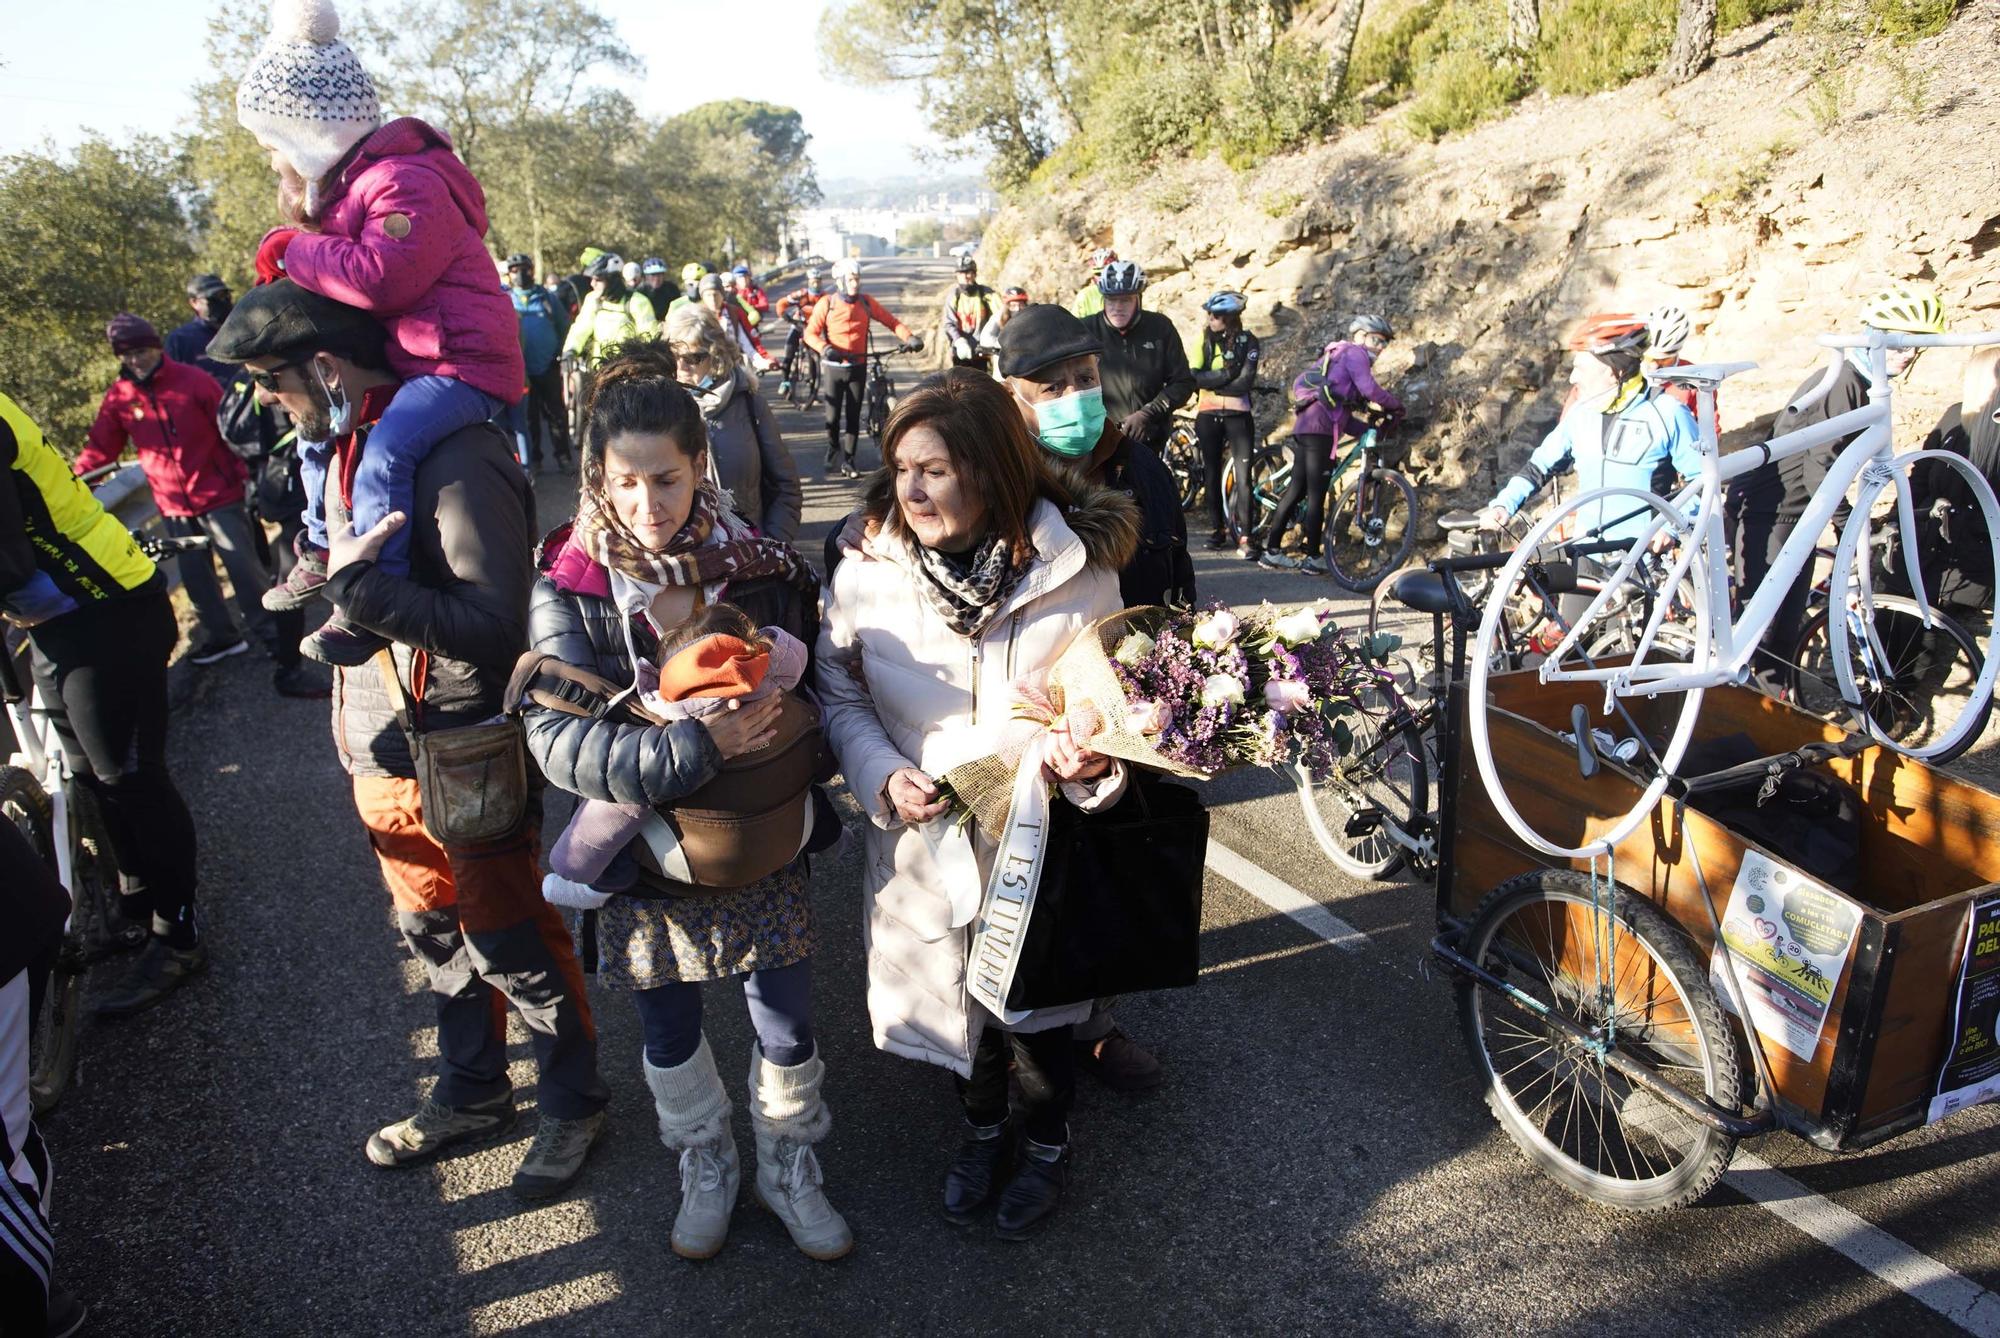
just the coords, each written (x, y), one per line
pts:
(400, 238)
(1349, 376)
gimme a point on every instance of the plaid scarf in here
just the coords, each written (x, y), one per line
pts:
(967, 590)
(694, 556)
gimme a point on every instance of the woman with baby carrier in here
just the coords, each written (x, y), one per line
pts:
(667, 640)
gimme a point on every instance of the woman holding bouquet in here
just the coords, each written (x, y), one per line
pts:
(986, 567)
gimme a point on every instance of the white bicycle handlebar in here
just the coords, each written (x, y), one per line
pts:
(1897, 339)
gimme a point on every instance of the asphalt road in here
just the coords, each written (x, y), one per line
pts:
(1319, 1160)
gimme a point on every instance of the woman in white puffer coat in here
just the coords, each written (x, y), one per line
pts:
(980, 571)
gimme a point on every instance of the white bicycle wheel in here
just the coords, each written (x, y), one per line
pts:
(1959, 734)
(1674, 718)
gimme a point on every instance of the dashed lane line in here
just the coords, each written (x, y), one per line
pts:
(1898, 1264)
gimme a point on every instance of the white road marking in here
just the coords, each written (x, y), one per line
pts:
(1902, 1266)
(1909, 1270)
(1280, 895)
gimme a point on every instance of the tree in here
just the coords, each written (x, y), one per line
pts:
(84, 236)
(1694, 41)
(1344, 26)
(233, 192)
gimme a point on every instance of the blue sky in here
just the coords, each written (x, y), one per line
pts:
(132, 67)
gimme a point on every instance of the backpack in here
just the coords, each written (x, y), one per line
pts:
(1811, 821)
(250, 428)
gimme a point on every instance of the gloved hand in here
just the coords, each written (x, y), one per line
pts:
(1137, 424)
(961, 348)
(914, 344)
(271, 253)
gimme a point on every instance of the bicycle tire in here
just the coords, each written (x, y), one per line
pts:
(1361, 550)
(52, 1039)
(1386, 770)
(1182, 457)
(1530, 932)
(1270, 473)
(1814, 687)
(1680, 710)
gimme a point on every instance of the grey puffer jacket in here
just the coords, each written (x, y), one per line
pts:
(464, 605)
(573, 617)
(751, 460)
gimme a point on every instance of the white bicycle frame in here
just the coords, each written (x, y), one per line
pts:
(40, 754)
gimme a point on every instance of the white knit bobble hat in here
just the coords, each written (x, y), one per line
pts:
(306, 92)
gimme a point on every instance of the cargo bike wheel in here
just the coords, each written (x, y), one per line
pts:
(1624, 973)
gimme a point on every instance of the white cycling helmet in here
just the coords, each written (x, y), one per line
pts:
(1667, 328)
(844, 267)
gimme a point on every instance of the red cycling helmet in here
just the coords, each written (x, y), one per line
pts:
(1608, 332)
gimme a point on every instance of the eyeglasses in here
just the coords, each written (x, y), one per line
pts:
(269, 380)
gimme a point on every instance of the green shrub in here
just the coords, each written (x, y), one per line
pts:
(1733, 14)
(1462, 88)
(1906, 21)
(1278, 105)
(1390, 55)
(1145, 108)
(1591, 45)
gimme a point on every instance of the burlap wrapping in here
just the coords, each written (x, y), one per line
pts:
(1083, 691)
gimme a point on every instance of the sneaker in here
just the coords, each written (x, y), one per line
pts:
(300, 682)
(1119, 1062)
(976, 1172)
(1035, 1192)
(1271, 560)
(210, 649)
(851, 472)
(341, 644)
(555, 1159)
(1313, 565)
(1246, 551)
(1218, 540)
(784, 389)
(305, 582)
(158, 971)
(66, 1314)
(436, 1127)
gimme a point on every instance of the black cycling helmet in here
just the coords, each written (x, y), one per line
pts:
(967, 265)
(1015, 293)
(1121, 278)
(606, 265)
(1374, 325)
(1225, 303)
(519, 261)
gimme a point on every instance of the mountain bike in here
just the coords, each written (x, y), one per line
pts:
(46, 802)
(1370, 522)
(1723, 647)
(802, 374)
(878, 396)
(1181, 454)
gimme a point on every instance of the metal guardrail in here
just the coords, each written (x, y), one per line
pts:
(126, 496)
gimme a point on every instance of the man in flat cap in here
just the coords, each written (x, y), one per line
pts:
(473, 915)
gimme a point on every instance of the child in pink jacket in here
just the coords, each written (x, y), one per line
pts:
(387, 219)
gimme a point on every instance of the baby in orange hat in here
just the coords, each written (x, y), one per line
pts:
(717, 656)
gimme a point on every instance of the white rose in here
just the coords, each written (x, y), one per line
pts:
(1222, 690)
(1133, 650)
(1216, 630)
(1298, 628)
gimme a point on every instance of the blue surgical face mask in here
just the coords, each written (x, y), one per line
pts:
(340, 409)
(1072, 425)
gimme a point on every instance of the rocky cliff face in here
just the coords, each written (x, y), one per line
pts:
(1724, 195)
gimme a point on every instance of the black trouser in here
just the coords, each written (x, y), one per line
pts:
(545, 405)
(841, 384)
(1045, 1064)
(103, 672)
(1759, 536)
(280, 499)
(1211, 431)
(794, 340)
(1312, 453)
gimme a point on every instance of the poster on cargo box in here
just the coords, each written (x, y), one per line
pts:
(1790, 938)
(1971, 1072)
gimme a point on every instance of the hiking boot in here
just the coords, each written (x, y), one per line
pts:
(693, 1110)
(1119, 1062)
(437, 1126)
(305, 582)
(300, 682)
(555, 1159)
(210, 649)
(1035, 1192)
(1218, 540)
(66, 1313)
(1313, 565)
(341, 644)
(710, 1179)
(789, 1116)
(1275, 561)
(975, 1173)
(158, 970)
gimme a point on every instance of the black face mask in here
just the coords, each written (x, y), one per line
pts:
(218, 309)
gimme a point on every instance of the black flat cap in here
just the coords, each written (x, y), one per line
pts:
(201, 285)
(283, 320)
(1042, 335)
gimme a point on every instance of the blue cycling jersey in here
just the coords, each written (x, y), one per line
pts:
(1619, 450)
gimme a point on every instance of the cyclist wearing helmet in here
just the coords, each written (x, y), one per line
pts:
(1334, 398)
(797, 308)
(754, 300)
(573, 289)
(838, 332)
(713, 293)
(1012, 303)
(1226, 372)
(658, 288)
(1614, 435)
(1766, 504)
(544, 324)
(1089, 299)
(612, 315)
(968, 309)
(1146, 375)
(1667, 329)
(692, 274)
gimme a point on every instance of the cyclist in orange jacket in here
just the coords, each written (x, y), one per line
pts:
(838, 332)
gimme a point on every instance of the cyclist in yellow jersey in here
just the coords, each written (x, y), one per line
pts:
(101, 631)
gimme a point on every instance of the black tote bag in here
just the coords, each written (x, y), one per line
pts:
(1119, 907)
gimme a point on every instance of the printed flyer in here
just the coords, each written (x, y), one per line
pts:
(1971, 1071)
(1790, 938)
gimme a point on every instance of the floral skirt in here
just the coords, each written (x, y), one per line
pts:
(647, 942)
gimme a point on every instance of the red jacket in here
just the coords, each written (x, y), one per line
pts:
(169, 419)
(840, 324)
(400, 238)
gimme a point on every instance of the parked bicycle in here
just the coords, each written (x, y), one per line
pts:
(1370, 521)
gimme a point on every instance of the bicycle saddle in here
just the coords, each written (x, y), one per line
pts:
(1709, 374)
(1423, 591)
(1459, 520)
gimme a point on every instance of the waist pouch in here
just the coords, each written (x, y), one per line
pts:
(472, 781)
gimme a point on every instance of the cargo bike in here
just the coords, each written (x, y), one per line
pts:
(1634, 1016)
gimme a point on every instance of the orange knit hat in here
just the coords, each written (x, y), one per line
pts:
(715, 666)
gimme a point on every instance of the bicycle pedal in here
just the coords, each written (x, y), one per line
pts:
(1365, 822)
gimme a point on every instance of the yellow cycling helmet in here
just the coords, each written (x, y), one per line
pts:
(587, 256)
(691, 274)
(1905, 308)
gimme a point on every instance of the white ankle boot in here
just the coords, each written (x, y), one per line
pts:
(789, 1117)
(694, 1121)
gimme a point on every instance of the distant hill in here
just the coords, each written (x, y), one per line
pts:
(896, 192)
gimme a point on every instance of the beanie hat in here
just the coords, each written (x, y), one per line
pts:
(306, 94)
(127, 332)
